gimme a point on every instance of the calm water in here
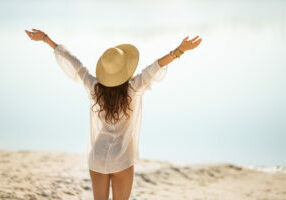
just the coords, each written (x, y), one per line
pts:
(222, 102)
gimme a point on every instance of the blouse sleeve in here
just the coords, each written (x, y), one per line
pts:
(144, 80)
(73, 68)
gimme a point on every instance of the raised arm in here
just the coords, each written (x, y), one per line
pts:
(156, 71)
(69, 63)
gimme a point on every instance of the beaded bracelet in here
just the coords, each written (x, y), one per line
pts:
(176, 53)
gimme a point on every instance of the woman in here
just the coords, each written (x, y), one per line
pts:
(116, 96)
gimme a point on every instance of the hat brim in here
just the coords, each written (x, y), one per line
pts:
(111, 80)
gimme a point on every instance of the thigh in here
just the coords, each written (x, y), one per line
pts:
(121, 183)
(100, 185)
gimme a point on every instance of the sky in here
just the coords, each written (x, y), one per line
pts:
(221, 102)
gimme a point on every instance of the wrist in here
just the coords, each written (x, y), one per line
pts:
(176, 53)
(181, 49)
(45, 38)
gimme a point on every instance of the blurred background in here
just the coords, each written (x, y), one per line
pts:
(221, 102)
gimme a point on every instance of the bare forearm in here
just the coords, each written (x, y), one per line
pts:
(165, 60)
(50, 42)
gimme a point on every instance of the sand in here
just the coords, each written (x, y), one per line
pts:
(33, 175)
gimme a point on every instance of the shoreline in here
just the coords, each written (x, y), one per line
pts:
(264, 168)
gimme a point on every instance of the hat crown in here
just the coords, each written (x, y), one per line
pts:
(113, 60)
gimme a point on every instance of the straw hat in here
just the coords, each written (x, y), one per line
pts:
(117, 65)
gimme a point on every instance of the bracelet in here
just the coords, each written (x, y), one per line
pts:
(176, 53)
(172, 54)
(44, 38)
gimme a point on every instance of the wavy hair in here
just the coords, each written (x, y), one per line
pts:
(112, 100)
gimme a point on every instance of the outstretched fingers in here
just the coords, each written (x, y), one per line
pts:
(194, 38)
(29, 34)
(36, 30)
(196, 43)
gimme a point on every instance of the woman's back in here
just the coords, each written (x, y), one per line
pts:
(114, 147)
(111, 147)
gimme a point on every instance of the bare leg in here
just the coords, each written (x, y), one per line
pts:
(100, 185)
(121, 183)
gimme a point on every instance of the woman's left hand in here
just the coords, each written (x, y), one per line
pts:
(36, 35)
(189, 44)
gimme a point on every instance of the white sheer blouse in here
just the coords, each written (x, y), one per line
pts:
(111, 148)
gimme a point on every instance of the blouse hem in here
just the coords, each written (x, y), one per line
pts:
(114, 171)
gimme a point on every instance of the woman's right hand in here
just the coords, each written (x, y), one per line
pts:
(37, 35)
(189, 44)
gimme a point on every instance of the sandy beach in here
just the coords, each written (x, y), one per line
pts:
(34, 175)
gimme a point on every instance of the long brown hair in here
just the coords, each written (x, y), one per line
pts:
(112, 100)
